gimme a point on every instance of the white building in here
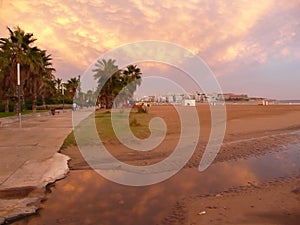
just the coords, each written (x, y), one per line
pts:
(188, 102)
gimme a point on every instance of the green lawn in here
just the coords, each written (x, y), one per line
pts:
(139, 125)
(6, 114)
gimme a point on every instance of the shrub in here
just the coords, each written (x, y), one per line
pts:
(142, 109)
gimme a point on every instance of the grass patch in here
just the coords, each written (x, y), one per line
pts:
(70, 140)
(30, 111)
(7, 114)
(139, 126)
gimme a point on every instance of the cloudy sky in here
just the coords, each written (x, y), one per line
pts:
(252, 46)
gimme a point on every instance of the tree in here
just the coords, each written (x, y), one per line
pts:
(45, 87)
(105, 73)
(14, 50)
(39, 69)
(133, 79)
(8, 84)
(113, 82)
(36, 67)
(71, 86)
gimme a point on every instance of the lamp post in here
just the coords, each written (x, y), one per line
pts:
(19, 94)
(63, 95)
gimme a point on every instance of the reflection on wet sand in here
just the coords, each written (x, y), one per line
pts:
(84, 197)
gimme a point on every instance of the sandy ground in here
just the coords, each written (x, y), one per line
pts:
(251, 131)
(276, 202)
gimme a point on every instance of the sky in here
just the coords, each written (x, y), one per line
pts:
(251, 46)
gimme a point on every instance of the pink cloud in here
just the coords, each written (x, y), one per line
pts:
(230, 37)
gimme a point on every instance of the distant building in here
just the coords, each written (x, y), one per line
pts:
(234, 97)
(170, 98)
(178, 98)
(211, 98)
(188, 102)
(162, 99)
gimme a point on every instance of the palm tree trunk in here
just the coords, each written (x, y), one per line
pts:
(34, 102)
(44, 102)
(23, 100)
(34, 97)
(7, 105)
(106, 102)
(16, 107)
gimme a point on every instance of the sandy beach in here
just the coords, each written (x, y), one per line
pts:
(252, 131)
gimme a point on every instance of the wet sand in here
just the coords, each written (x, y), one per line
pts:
(251, 131)
(274, 202)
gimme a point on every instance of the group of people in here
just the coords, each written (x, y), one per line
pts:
(75, 107)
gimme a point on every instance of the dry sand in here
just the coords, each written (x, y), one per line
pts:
(251, 131)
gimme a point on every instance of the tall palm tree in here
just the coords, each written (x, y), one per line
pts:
(48, 90)
(72, 85)
(7, 84)
(46, 70)
(17, 49)
(105, 73)
(58, 83)
(133, 79)
(113, 82)
(105, 69)
(39, 69)
(32, 68)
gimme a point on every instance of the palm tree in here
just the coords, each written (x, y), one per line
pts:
(8, 71)
(133, 79)
(34, 63)
(40, 69)
(7, 85)
(90, 98)
(105, 74)
(72, 85)
(48, 90)
(113, 82)
(46, 70)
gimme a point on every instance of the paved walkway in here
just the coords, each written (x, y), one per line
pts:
(29, 158)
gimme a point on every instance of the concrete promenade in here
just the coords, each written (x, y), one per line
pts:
(29, 161)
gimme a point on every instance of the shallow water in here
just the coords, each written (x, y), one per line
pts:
(84, 197)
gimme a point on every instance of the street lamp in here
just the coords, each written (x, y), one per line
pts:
(63, 95)
(19, 94)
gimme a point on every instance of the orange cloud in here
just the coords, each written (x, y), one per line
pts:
(77, 32)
